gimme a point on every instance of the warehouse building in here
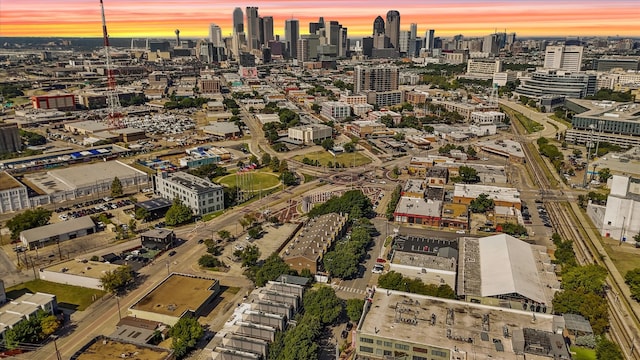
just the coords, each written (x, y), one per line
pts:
(54, 233)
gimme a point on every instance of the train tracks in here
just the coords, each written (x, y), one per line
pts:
(623, 321)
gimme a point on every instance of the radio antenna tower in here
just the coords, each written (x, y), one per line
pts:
(113, 101)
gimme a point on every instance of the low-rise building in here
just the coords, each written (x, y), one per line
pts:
(367, 128)
(377, 115)
(222, 130)
(509, 149)
(9, 138)
(201, 195)
(78, 272)
(62, 102)
(54, 233)
(23, 308)
(308, 134)
(158, 239)
(622, 215)
(177, 296)
(411, 210)
(13, 194)
(306, 249)
(155, 208)
(353, 99)
(501, 196)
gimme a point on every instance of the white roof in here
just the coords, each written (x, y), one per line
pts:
(508, 266)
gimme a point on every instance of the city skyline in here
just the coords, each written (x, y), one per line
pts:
(159, 18)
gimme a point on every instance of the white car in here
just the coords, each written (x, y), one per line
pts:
(238, 247)
(461, 232)
(377, 269)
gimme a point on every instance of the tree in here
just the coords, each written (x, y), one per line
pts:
(354, 309)
(253, 160)
(632, 278)
(142, 213)
(30, 330)
(353, 202)
(324, 304)
(591, 306)
(209, 261)
(116, 187)
(178, 213)
(340, 263)
(265, 159)
(301, 342)
(283, 166)
(116, 281)
(607, 350)
(133, 226)
(585, 279)
(270, 270)
(604, 175)
(255, 231)
(185, 333)
(275, 163)
(224, 235)
(481, 204)
(28, 220)
(471, 152)
(288, 178)
(349, 147)
(327, 144)
(49, 324)
(468, 175)
(315, 108)
(249, 255)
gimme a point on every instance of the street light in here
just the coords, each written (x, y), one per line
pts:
(586, 168)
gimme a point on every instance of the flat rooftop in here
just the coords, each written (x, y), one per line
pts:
(393, 313)
(88, 268)
(83, 175)
(609, 110)
(502, 147)
(418, 206)
(493, 192)
(8, 182)
(316, 235)
(176, 294)
(108, 349)
(425, 261)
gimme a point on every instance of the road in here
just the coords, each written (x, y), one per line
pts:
(549, 130)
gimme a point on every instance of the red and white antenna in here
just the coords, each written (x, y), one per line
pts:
(113, 101)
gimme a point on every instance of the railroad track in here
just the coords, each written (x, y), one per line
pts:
(620, 313)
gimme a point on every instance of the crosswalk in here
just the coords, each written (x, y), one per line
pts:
(348, 289)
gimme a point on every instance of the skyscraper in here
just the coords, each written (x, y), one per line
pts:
(291, 35)
(429, 37)
(253, 28)
(379, 78)
(238, 21)
(215, 35)
(392, 27)
(413, 34)
(267, 29)
(378, 26)
(563, 57)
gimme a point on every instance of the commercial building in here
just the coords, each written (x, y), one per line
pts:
(509, 149)
(622, 214)
(506, 272)
(177, 296)
(158, 239)
(610, 121)
(306, 249)
(501, 196)
(434, 261)
(487, 117)
(366, 128)
(412, 210)
(9, 138)
(23, 308)
(335, 110)
(308, 134)
(57, 232)
(484, 67)
(557, 82)
(398, 324)
(155, 208)
(563, 57)
(201, 195)
(104, 347)
(625, 63)
(78, 272)
(353, 99)
(222, 130)
(13, 194)
(384, 98)
(62, 102)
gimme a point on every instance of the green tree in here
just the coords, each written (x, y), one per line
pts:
(471, 152)
(28, 331)
(270, 270)
(353, 202)
(608, 350)
(249, 256)
(255, 231)
(481, 204)
(224, 235)
(327, 144)
(116, 187)
(178, 213)
(585, 279)
(28, 220)
(354, 309)
(324, 304)
(209, 261)
(315, 108)
(49, 324)
(288, 178)
(265, 159)
(349, 147)
(632, 278)
(253, 160)
(468, 175)
(604, 175)
(142, 213)
(185, 333)
(590, 305)
(513, 229)
(300, 343)
(283, 166)
(275, 163)
(116, 281)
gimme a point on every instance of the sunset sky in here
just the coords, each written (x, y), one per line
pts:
(159, 18)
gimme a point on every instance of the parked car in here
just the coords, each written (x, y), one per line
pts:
(377, 269)
(172, 252)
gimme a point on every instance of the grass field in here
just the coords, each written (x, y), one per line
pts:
(529, 125)
(324, 157)
(583, 353)
(258, 181)
(68, 296)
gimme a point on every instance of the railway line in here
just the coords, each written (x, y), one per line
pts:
(624, 323)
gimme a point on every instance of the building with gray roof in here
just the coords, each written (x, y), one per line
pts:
(201, 195)
(54, 233)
